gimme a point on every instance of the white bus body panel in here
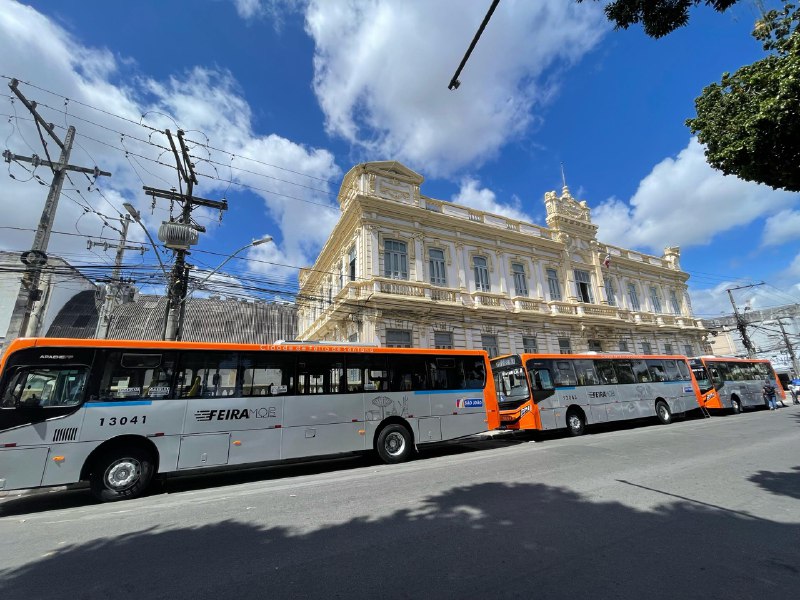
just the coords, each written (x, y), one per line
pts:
(21, 467)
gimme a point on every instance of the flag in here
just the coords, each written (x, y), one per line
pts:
(607, 261)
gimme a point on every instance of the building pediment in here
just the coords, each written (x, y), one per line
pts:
(385, 179)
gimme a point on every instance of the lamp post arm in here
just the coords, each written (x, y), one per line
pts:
(216, 270)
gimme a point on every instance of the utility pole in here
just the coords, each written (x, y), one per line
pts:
(115, 285)
(180, 235)
(741, 323)
(789, 348)
(35, 259)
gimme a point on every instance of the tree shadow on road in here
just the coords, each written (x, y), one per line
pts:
(782, 484)
(487, 540)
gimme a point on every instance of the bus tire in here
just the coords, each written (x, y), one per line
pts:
(394, 444)
(736, 405)
(663, 412)
(121, 474)
(576, 422)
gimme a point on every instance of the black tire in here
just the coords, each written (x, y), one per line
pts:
(121, 474)
(576, 422)
(736, 406)
(394, 444)
(663, 413)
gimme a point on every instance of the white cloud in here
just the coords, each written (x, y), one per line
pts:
(470, 194)
(382, 69)
(201, 100)
(683, 201)
(781, 228)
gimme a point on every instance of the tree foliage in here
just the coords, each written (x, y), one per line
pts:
(658, 17)
(750, 121)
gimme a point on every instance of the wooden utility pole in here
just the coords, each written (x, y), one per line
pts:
(115, 286)
(35, 259)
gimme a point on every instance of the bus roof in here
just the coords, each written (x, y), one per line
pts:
(597, 356)
(22, 343)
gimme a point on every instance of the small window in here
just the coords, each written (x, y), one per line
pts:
(633, 297)
(687, 350)
(398, 338)
(352, 263)
(520, 283)
(529, 345)
(553, 285)
(437, 266)
(623, 345)
(595, 346)
(564, 346)
(583, 286)
(611, 293)
(395, 259)
(489, 343)
(655, 300)
(481, 270)
(673, 299)
(646, 348)
(667, 348)
(443, 340)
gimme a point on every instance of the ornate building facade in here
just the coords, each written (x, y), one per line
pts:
(401, 269)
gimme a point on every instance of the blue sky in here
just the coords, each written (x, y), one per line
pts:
(309, 89)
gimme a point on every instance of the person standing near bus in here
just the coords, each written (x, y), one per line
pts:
(769, 394)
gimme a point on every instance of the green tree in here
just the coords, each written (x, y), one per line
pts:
(750, 121)
(658, 17)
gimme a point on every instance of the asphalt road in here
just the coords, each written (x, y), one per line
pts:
(702, 508)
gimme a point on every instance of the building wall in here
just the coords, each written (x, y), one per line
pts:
(57, 287)
(383, 212)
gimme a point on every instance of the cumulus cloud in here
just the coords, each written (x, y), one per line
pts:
(382, 69)
(287, 176)
(472, 195)
(683, 201)
(781, 228)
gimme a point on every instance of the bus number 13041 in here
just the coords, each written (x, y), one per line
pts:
(122, 421)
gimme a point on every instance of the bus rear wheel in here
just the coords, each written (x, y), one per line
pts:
(121, 474)
(663, 412)
(736, 406)
(394, 444)
(576, 423)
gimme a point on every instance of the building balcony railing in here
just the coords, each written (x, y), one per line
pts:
(424, 291)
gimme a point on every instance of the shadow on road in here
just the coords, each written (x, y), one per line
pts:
(781, 484)
(481, 541)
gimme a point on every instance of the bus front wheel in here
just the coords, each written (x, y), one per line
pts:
(394, 444)
(736, 406)
(663, 412)
(120, 474)
(576, 423)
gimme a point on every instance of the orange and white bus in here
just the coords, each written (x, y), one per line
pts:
(733, 384)
(118, 413)
(556, 391)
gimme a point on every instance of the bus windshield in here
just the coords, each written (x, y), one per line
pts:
(511, 384)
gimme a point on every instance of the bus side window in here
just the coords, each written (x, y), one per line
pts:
(266, 373)
(564, 373)
(624, 371)
(542, 380)
(207, 374)
(321, 373)
(641, 371)
(605, 372)
(584, 370)
(407, 373)
(683, 369)
(671, 369)
(656, 368)
(133, 375)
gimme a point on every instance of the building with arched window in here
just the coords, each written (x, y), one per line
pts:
(401, 269)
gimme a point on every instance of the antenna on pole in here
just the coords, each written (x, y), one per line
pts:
(563, 177)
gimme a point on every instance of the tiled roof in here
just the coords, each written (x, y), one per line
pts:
(77, 319)
(207, 320)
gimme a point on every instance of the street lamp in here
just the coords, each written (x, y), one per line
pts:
(263, 240)
(138, 218)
